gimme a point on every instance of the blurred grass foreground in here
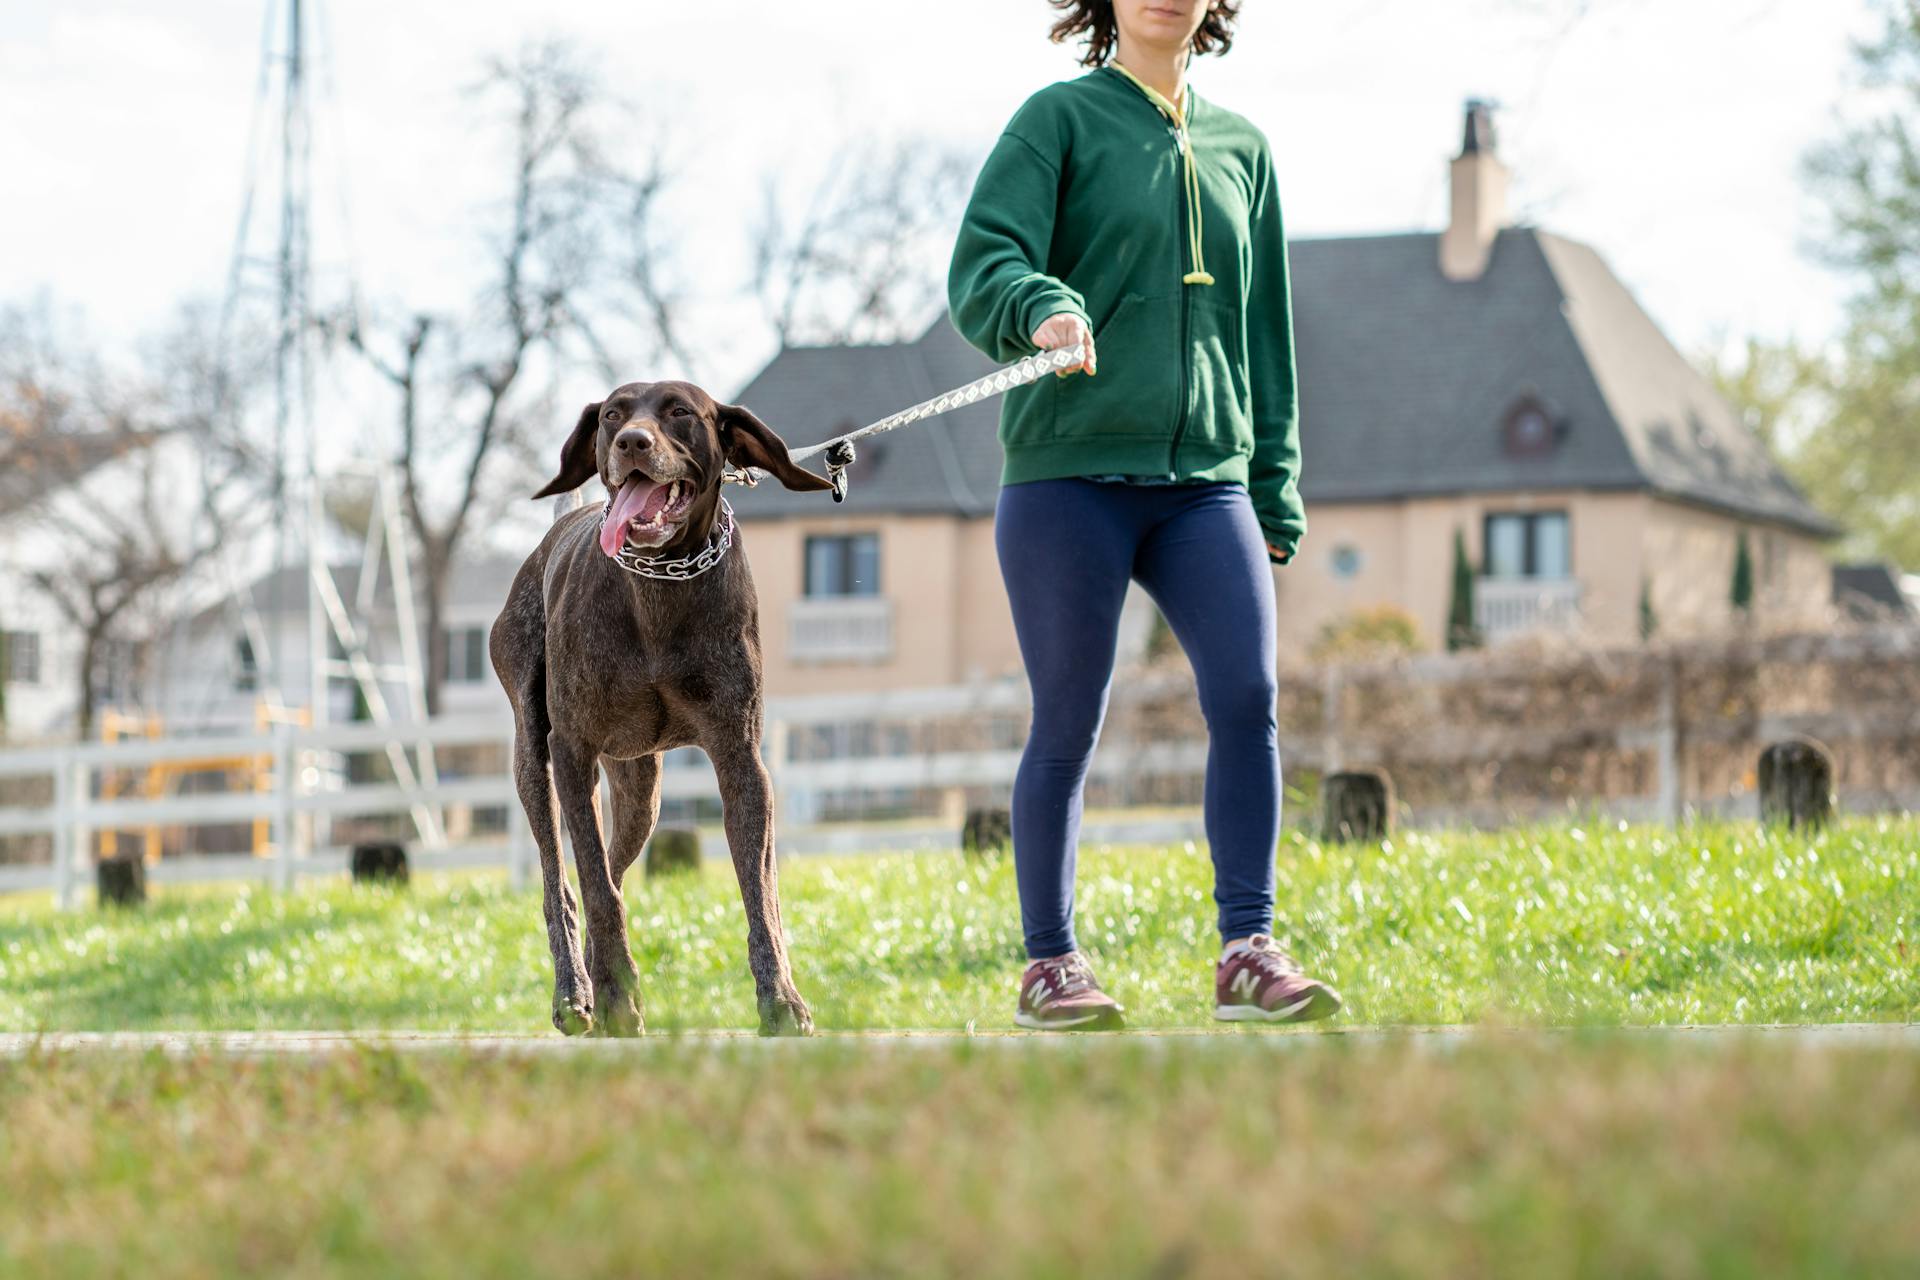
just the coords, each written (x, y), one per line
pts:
(1575, 1154)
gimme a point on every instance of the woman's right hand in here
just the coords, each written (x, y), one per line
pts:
(1065, 329)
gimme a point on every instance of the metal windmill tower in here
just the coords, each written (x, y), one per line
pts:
(279, 175)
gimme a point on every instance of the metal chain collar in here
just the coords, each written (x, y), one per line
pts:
(684, 567)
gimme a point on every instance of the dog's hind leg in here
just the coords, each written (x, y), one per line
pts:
(610, 967)
(635, 785)
(746, 797)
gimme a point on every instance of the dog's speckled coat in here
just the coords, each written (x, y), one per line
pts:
(603, 666)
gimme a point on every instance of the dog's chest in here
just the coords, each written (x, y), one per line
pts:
(637, 684)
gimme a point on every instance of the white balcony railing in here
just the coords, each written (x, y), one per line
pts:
(1505, 607)
(840, 629)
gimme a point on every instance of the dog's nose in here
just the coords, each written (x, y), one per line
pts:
(633, 440)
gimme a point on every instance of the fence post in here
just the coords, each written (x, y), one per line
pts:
(1330, 692)
(80, 859)
(1668, 754)
(66, 817)
(520, 850)
(284, 837)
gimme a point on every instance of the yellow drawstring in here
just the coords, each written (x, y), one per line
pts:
(1191, 177)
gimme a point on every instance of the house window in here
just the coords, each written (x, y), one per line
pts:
(843, 564)
(1528, 431)
(464, 650)
(246, 666)
(117, 679)
(1528, 544)
(23, 657)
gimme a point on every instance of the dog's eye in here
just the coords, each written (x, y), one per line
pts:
(611, 414)
(681, 411)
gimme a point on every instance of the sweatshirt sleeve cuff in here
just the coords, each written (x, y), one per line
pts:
(1051, 302)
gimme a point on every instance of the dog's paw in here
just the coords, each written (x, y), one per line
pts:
(785, 1014)
(619, 1018)
(572, 1017)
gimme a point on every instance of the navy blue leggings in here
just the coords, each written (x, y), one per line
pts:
(1067, 550)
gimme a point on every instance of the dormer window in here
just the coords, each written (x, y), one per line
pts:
(1528, 431)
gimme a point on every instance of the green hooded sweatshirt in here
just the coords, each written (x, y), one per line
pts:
(1085, 206)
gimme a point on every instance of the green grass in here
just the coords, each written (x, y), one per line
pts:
(1561, 925)
(1572, 1155)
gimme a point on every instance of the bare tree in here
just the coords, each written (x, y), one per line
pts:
(866, 260)
(578, 233)
(100, 460)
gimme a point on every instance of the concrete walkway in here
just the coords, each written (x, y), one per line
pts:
(320, 1043)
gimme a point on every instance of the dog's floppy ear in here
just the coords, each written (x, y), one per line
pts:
(577, 463)
(749, 442)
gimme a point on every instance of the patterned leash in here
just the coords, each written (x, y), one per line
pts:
(839, 449)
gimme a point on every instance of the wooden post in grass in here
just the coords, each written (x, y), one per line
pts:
(673, 850)
(1796, 784)
(121, 880)
(1357, 805)
(380, 862)
(986, 832)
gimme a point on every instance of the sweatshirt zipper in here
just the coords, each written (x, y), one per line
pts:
(1186, 321)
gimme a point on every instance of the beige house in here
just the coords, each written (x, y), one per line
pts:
(1490, 381)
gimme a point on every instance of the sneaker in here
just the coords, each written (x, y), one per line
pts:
(1262, 983)
(1061, 994)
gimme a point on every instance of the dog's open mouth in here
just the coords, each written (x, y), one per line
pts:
(645, 512)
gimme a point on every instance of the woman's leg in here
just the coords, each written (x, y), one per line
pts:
(1205, 564)
(1066, 548)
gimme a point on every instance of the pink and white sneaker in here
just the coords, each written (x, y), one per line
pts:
(1061, 994)
(1262, 983)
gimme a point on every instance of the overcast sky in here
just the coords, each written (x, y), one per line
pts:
(1667, 135)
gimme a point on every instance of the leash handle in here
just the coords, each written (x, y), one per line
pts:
(839, 449)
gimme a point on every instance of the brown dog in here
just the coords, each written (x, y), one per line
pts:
(628, 635)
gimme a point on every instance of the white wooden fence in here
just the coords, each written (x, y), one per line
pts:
(308, 784)
(1692, 716)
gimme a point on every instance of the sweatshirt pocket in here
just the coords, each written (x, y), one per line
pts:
(1223, 394)
(1137, 389)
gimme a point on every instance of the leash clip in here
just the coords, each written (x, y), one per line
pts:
(839, 458)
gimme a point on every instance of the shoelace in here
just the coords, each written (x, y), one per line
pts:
(1271, 960)
(1071, 975)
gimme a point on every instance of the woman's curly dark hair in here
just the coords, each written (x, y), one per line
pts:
(1094, 19)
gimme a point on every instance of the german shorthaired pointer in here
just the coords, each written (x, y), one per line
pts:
(629, 631)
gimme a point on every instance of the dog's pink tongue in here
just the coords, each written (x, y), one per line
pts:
(627, 503)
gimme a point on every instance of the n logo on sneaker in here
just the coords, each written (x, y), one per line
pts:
(1036, 992)
(1245, 984)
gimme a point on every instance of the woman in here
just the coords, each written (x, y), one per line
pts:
(1122, 205)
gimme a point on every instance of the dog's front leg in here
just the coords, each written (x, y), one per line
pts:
(572, 994)
(610, 967)
(746, 796)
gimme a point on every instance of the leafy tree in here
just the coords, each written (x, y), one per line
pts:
(1742, 590)
(1649, 620)
(1849, 424)
(1461, 631)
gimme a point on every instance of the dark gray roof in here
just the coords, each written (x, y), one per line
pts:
(949, 464)
(1405, 380)
(1866, 591)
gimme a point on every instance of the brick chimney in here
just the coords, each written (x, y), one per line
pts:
(1479, 199)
